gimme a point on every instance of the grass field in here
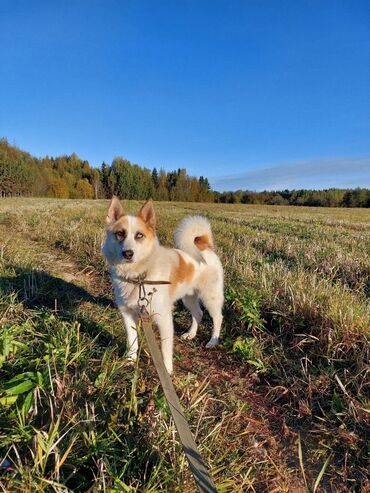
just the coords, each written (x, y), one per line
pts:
(280, 406)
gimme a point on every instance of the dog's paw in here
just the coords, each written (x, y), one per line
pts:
(131, 357)
(212, 342)
(188, 336)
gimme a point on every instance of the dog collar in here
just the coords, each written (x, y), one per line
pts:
(141, 279)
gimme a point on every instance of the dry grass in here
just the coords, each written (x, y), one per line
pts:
(284, 406)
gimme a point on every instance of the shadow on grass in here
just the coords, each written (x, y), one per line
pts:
(38, 290)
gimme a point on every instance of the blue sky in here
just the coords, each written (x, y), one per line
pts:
(253, 94)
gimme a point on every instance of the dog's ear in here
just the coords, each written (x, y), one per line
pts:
(147, 213)
(115, 210)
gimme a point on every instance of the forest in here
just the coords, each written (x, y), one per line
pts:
(71, 177)
(22, 174)
(332, 197)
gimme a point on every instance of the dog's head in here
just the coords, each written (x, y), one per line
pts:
(129, 239)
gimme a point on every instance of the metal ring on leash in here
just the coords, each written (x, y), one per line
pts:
(144, 297)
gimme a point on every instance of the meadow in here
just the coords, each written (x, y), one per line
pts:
(282, 405)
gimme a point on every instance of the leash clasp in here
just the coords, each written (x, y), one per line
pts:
(144, 298)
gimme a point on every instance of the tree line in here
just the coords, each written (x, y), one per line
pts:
(22, 174)
(332, 197)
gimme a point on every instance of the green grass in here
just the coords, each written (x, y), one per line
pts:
(281, 405)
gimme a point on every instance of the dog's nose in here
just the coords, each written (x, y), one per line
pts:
(128, 254)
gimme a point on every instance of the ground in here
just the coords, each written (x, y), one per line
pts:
(281, 405)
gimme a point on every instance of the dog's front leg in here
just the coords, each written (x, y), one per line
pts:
(164, 323)
(130, 321)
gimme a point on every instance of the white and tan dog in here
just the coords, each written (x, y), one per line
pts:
(131, 249)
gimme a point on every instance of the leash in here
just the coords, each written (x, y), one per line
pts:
(197, 465)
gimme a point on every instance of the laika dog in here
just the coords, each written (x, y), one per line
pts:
(193, 269)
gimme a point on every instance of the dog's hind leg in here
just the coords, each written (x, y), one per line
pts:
(192, 304)
(213, 301)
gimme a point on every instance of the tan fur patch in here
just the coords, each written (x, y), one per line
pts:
(203, 242)
(182, 272)
(121, 224)
(115, 210)
(145, 228)
(147, 214)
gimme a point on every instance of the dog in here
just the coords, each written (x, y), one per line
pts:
(194, 271)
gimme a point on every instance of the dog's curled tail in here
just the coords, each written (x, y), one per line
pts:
(194, 236)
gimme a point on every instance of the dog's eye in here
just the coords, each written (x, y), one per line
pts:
(121, 235)
(139, 235)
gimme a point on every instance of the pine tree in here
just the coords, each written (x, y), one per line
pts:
(155, 178)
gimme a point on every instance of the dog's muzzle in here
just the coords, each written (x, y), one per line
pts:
(128, 254)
